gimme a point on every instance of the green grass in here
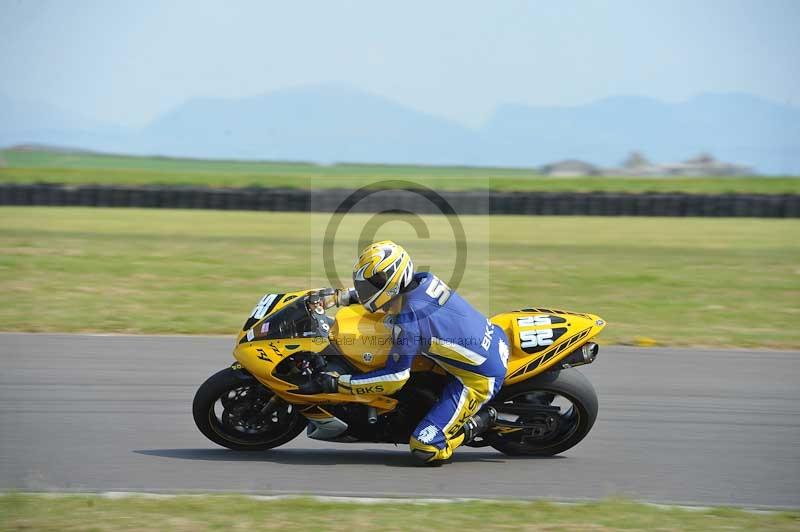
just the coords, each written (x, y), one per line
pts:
(191, 513)
(680, 281)
(78, 168)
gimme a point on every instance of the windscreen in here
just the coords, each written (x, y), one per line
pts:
(290, 322)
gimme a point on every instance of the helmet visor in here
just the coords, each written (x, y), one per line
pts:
(367, 288)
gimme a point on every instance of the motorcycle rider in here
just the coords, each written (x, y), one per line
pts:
(428, 319)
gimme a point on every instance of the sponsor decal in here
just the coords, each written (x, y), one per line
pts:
(486, 343)
(427, 434)
(265, 327)
(472, 406)
(502, 348)
(250, 335)
(373, 388)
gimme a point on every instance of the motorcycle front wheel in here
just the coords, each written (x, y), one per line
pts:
(556, 410)
(231, 408)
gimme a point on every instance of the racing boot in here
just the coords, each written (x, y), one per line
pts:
(479, 423)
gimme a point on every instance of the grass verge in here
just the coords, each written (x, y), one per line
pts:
(679, 281)
(184, 513)
(82, 168)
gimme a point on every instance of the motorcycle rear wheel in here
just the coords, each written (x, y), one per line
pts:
(229, 409)
(566, 427)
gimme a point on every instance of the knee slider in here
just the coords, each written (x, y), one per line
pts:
(423, 456)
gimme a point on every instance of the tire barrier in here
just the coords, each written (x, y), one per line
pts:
(465, 202)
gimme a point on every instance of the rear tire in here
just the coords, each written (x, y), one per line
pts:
(576, 422)
(227, 410)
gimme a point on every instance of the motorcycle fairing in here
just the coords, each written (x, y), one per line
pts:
(363, 338)
(541, 337)
(261, 356)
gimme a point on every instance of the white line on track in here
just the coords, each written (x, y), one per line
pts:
(116, 495)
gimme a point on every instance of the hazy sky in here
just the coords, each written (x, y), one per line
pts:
(128, 61)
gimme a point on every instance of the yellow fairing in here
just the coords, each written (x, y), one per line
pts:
(261, 357)
(364, 338)
(540, 338)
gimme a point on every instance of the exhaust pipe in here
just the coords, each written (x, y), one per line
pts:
(585, 355)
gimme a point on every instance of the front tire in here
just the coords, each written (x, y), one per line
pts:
(231, 408)
(559, 431)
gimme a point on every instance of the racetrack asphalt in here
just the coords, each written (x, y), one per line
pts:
(113, 413)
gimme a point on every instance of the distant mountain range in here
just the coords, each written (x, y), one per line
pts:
(331, 123)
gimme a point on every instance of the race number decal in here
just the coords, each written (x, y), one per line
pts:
(536, 338)
(263, 306)
(438, 290)
(533, 340)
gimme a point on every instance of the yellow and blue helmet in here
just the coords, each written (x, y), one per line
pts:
(381, 273)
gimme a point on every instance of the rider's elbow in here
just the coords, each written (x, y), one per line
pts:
(392, 387)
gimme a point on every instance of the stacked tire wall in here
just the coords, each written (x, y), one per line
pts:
(412, 200)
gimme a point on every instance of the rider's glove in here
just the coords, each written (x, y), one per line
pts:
(345, 297)
(320, 383)
(328, 382)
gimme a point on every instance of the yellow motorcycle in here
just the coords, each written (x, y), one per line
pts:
(544, 407)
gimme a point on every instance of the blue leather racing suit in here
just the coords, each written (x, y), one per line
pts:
(437, 323)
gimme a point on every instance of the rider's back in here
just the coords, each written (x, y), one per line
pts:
(449, 330)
